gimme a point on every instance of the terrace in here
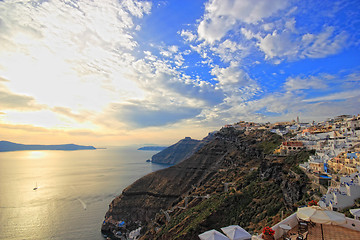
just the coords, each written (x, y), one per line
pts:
(349, 230)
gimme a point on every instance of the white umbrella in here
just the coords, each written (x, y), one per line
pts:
(213, 235)
(319, 215)
(355, 212)
(235, 232)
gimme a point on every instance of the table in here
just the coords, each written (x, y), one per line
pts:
(285, 228)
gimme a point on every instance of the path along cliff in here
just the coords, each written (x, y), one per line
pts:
(233, 179)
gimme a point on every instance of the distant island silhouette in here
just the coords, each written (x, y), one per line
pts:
(6, 146)
(152, 148)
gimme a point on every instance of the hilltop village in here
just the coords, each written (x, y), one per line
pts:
(335, 163)
(258, 177)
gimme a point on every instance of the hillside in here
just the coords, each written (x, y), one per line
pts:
(6, 146)
(179, 151)
(189, 198)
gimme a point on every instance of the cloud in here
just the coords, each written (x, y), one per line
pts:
(40, 132)
(24, 127)
(231, 76)
(324, 44)
(214, 28)
(324, 87)
(169, 51)
(66, 47)
(79, 117)
(230, 51)
(87, 61)
(335, 96)
(290, 45)
(222, 15)
(188, 35)
(278, 45)
(318, 110)
(298, 83)
(13, 101)
(163, 83)
(274, 27)
(137, 8)
(145, 114)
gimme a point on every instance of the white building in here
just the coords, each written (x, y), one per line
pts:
(343, 196)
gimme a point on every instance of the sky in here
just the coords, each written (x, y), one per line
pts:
(122, 72)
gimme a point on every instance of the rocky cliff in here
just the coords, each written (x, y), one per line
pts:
(179, 151)
(233, 179)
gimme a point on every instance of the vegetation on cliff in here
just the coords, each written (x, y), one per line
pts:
(234, 179)
(263, 189)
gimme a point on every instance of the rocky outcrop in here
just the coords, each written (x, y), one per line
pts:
(179, 151)
(230, 180)
(159, 190)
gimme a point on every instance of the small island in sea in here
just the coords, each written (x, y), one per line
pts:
(152, 148)
(6, 146)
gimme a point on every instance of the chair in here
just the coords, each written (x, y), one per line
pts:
(303, 227)
(312, 224)
(302, 237)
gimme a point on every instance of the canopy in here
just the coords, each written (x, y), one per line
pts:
(319, 215)
(235, 232)
(213, 235)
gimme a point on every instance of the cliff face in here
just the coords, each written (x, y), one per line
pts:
(158, 190)
(179, 151)
(231, 180)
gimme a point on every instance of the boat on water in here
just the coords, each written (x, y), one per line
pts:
(36, 187)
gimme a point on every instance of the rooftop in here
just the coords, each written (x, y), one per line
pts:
(293, 143)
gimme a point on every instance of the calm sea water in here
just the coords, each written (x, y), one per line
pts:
(74, 190)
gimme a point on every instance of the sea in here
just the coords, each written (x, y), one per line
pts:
(74, 190)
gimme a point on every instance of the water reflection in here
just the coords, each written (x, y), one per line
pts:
(36, 154)
(68, 183)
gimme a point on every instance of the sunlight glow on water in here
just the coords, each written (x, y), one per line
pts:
(36, 154)
(74, 190)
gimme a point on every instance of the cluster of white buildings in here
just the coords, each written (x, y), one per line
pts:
(344, 194)
(337, 157)
(336, 143)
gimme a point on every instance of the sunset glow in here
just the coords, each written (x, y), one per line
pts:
(132, 72)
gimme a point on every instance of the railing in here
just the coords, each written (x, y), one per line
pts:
(279, 232)
(292, 221)
(352, 224)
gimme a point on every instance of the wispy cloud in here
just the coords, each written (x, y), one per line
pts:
(140, 115)
(335, 96)
(13, 101)
(65, 47)
(105, 67)
(309, 82)
(223, 15)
